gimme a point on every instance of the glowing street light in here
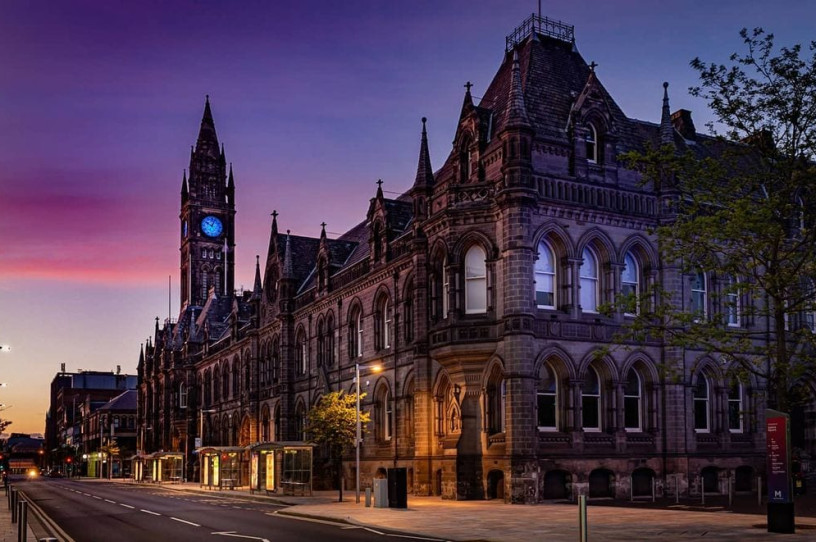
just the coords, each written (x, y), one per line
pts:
(374, 369)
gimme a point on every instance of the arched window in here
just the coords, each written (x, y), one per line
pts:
(699, 295)
(265, 422)
(592, 144)
(591, 401)
(247, 381)
(702, 414)
(236, 378)
(278, 425)
(275, 363)
(732, 301)
(225, 384)
(545, 277)
(408, 313)
(630, 284)
(263, 364)
(355, 338)
(321, 343)
(384, 415)
(328, 355)
(182, 395)
(547, 399)
(633, 401)
(382, 324)
(216, 385)
(496, 403)
(735, 410)
(589, 281)
(475, 281)
(300, 351)
(300, 422)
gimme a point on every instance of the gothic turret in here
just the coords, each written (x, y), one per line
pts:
(423, 184)
(666, 126)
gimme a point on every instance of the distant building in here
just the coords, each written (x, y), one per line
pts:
(479, 291)
(73, 427)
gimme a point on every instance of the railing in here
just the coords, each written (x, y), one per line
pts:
(542, 25)
(597, 197)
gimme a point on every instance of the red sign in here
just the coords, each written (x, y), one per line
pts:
(778, 467)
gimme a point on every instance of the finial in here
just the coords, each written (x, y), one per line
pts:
(379, 183)
(665, 85)
(323, 225)
(468, 85)
(275, 214)
(287, 232)
(207, 97)
(257, 260)
(592, 66)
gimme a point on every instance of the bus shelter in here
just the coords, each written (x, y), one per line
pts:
(137, 467)
(166, 467)
(223, 467)
(281, 467)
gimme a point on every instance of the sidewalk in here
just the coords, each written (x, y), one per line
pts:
(8, 530)
(495, 521)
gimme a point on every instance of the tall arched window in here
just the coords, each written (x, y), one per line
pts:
(589, 281)
(216, 384)
(236, 377)
(591, 401)
(355, 338)
(592, 143)
(732, 302)
(735, 409)
(265, 422)
(547, 399)
(300, 422)
(300, 352)
(408, 313)
(633, 401)
(278, 429)
(275, 363)
(475, 281)
(321, 343)
(382, 323)
(384, 414)
(445, 289)
(630, 283)
(699, 295)
(545, 277)
(329, 350)
(182, 395)
(702, 414)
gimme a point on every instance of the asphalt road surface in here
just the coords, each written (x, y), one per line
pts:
(108, 512)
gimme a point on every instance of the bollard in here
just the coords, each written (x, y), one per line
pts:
(631, 489)
(759, 490)
(22, 525)
(654, 490)
(582, 518)
(8, 496)
(14, 505)
(702, 489)
(730, 492)
(368, 497)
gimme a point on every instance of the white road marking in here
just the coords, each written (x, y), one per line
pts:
(185, 521)
(369, 529)
(233, 534)
(126, 505)
(149, 512)
(299, 518)
(96, 497)
(110, 501)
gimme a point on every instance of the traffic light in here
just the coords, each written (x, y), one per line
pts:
(68, 460)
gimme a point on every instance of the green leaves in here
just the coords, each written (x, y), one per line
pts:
(333, 421)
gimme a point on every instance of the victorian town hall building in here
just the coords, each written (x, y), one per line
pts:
(479, 292)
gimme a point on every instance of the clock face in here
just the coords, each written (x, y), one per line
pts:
(211, 226)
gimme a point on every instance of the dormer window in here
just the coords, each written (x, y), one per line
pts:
(592, 153)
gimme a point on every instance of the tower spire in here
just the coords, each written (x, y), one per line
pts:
(184, 191)
(207, 139)
(256, 289)
(516, 113)
(288, 270)
(666, 126)
(467, 103)
(424, 175)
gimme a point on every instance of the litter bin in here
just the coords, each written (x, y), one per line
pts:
(398, 488)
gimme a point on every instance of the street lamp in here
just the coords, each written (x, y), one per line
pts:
(374, 369)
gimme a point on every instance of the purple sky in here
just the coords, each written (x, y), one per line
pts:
(101, 101)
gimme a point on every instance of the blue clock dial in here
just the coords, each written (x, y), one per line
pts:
(211, 226)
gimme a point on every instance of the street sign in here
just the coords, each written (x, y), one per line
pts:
(198, 442)
(778, 468)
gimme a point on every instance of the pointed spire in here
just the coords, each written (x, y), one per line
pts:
(322, 232)
(288, 270)
(157, 326)
(379, 195)
(141, 354)
(273, 240)
(467, 104)
(256, 289)
(184, 192)
(666, 126)
(207, 138)
(516, 113)
(424, 175)
(231, 181)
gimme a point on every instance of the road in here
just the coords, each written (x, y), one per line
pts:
(105, 512)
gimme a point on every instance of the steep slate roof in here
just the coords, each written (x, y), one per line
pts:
(124, 401)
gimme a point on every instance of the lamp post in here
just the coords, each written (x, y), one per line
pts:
(376, 369)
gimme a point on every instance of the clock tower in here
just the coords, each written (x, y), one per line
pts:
(207, 220)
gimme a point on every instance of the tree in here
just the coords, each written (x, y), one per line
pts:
(4, 424)
(333, 424)
(743, 210)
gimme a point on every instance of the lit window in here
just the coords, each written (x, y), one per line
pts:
(591, 401)
(182, 395)
(356, 333)
(475, 281)
(545, 277)
(383, 324)
(445, 289)
(589, 281)
(630, 284)
(632, 401)
(701, 404)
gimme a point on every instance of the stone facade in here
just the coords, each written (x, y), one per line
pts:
(479, 292)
